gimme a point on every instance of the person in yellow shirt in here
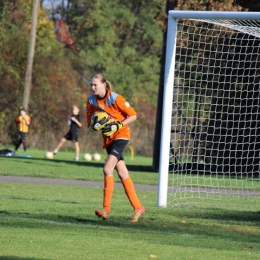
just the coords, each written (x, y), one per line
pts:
(23, 122)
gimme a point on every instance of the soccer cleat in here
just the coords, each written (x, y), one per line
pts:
(102, 214)
(52, 151)
(137, 214)
(76, 158)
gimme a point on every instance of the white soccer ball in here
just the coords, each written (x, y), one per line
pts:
(96, 157)
(87, 157)
(49, 155)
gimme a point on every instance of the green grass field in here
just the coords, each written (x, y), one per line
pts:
(58, 222)
(63, 166)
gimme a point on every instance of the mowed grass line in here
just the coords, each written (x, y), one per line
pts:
(64, 167)
(58, 222)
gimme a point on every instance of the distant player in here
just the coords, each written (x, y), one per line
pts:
(116, 135)
(23, 122)
(74, 123)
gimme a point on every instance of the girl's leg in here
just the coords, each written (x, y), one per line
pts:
(108, 187)
(23, 140)
(128, 185)
(60, 144)
(18, 144)
(108, 182)
(77, 149)
(24, 145)
(115, 160)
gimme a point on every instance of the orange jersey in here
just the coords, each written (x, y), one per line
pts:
(117, 107)
(23, 127)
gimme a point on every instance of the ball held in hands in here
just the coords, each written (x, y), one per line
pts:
(111, 127)
(98, 120)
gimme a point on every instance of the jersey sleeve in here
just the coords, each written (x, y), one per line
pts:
(90, 111)
(124, 106)
(17, 120)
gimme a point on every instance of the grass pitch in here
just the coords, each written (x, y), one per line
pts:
(58, 222)
(64, 167)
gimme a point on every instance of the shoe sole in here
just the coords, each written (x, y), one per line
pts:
(100, 216)
(133, 220)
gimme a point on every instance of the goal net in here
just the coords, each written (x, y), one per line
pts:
(210, 144)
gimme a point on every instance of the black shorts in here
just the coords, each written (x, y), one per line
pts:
(72, 136)
(117, 147)
(22, 136)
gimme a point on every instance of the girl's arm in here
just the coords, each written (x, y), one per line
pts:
(27, 120)
(129, 120)
(76, 121)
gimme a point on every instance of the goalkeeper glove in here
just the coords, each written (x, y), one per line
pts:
(97, 125)
(111, 128)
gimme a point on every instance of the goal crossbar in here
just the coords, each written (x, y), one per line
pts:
(174, 14)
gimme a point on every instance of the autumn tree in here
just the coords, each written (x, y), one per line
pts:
(55, 84)
(118, 34)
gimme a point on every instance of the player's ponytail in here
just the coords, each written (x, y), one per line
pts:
(109, 85)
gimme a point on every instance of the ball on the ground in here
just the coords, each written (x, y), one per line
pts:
(87, 157)
(96, 157)
(49, 155)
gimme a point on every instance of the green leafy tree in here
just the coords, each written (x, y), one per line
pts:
(120, 39)
(55, 85)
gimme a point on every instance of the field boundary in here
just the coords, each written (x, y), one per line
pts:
(99, 184)
(66, 182)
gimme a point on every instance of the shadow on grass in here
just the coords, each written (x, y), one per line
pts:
(139, 168)
(168, 224)
(6, 257)
(223, 215)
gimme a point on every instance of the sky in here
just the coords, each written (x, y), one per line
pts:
(53, 3)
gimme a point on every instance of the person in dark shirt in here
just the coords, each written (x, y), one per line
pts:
(72, 135)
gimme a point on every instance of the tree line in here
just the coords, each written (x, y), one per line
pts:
(121, 39)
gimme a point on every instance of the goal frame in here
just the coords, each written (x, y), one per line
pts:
(173, 17)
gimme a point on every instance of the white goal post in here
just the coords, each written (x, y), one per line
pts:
(210, 142)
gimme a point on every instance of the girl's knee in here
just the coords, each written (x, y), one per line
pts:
(107, 171)
(123, 175)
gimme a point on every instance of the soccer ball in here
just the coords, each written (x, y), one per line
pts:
(96, 157)
(87, 156)
(49, 155)
(98, 119)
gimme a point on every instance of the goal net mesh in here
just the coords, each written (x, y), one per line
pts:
(215, 128)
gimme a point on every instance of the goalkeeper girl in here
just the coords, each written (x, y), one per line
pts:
(116, 135)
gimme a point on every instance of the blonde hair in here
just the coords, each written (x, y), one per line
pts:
(74, 106)
(102, 79)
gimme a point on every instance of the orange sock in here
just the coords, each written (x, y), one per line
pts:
(108, 192)
(131, 193)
